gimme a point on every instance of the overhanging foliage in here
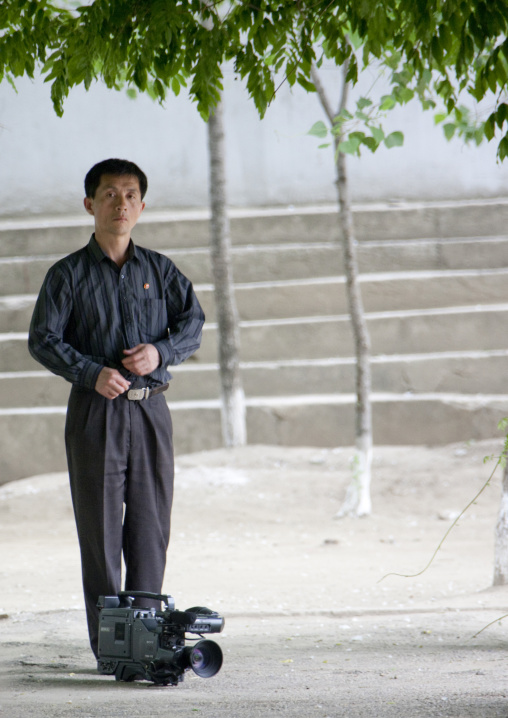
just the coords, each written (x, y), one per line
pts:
(436, 50)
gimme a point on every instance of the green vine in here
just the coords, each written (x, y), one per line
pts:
(501, 461)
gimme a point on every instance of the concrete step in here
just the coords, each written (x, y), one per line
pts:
(327, 295)
(404, 332)
(16, 312)
(321, 421)
(458, 372)
(387, 291)
(449, 372)
(436, 299)
(61, 235)
(294, 261)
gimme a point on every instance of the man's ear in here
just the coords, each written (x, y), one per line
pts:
(88, 202)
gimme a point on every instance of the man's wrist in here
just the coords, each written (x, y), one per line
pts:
(164, 353)
(90, 374)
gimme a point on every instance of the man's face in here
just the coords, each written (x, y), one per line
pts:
(116, 206)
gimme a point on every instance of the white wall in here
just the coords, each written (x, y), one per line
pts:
(43, 158)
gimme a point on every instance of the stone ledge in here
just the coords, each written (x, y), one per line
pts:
(49, 235)
(33, 441)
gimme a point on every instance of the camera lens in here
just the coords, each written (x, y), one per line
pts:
(205, 658)
(197, 659)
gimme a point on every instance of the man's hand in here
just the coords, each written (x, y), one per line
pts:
(141, 359)
(110, 383)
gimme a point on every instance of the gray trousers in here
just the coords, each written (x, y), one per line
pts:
(121, 468)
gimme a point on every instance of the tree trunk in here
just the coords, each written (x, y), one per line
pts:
(234, 430)
(357, 501)
(501, 537)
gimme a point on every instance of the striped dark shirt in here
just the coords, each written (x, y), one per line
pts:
(89, 310)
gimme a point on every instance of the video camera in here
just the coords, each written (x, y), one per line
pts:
(147, 644)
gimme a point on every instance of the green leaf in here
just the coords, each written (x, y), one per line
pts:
(318, 129)
(404, 94)
(395, 139)
(436, 49)
(371, 143)
(306, 84)
(501, 115)
(479, 135)
(348, 147)
(502, 150)
(176, 86)
(363, 102)
(449, 130)
(343, 115)
(387, 103)
(490, 127)
(392, 61)
(428, 104)
(378, 134)
(360, 136)
(351, 146)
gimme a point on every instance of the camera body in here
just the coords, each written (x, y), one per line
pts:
(149, 644)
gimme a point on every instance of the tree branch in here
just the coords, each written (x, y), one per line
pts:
(323, 97)
(344, 97)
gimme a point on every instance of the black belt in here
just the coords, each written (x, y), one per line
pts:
(146, 392)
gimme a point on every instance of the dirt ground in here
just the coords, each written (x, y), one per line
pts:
(311, 629)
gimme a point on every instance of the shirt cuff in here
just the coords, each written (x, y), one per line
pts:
(165, 351)
(89, 375)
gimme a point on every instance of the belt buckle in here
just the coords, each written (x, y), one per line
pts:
(138, 394)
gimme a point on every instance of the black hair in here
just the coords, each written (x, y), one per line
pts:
(113, 167)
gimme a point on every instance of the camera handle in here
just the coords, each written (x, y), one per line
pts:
(168, 600)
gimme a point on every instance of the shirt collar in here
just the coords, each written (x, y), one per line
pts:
(98, 253)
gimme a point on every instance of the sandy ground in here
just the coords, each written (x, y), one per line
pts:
(311, 629)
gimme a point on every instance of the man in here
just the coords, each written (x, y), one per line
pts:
(110, 318)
